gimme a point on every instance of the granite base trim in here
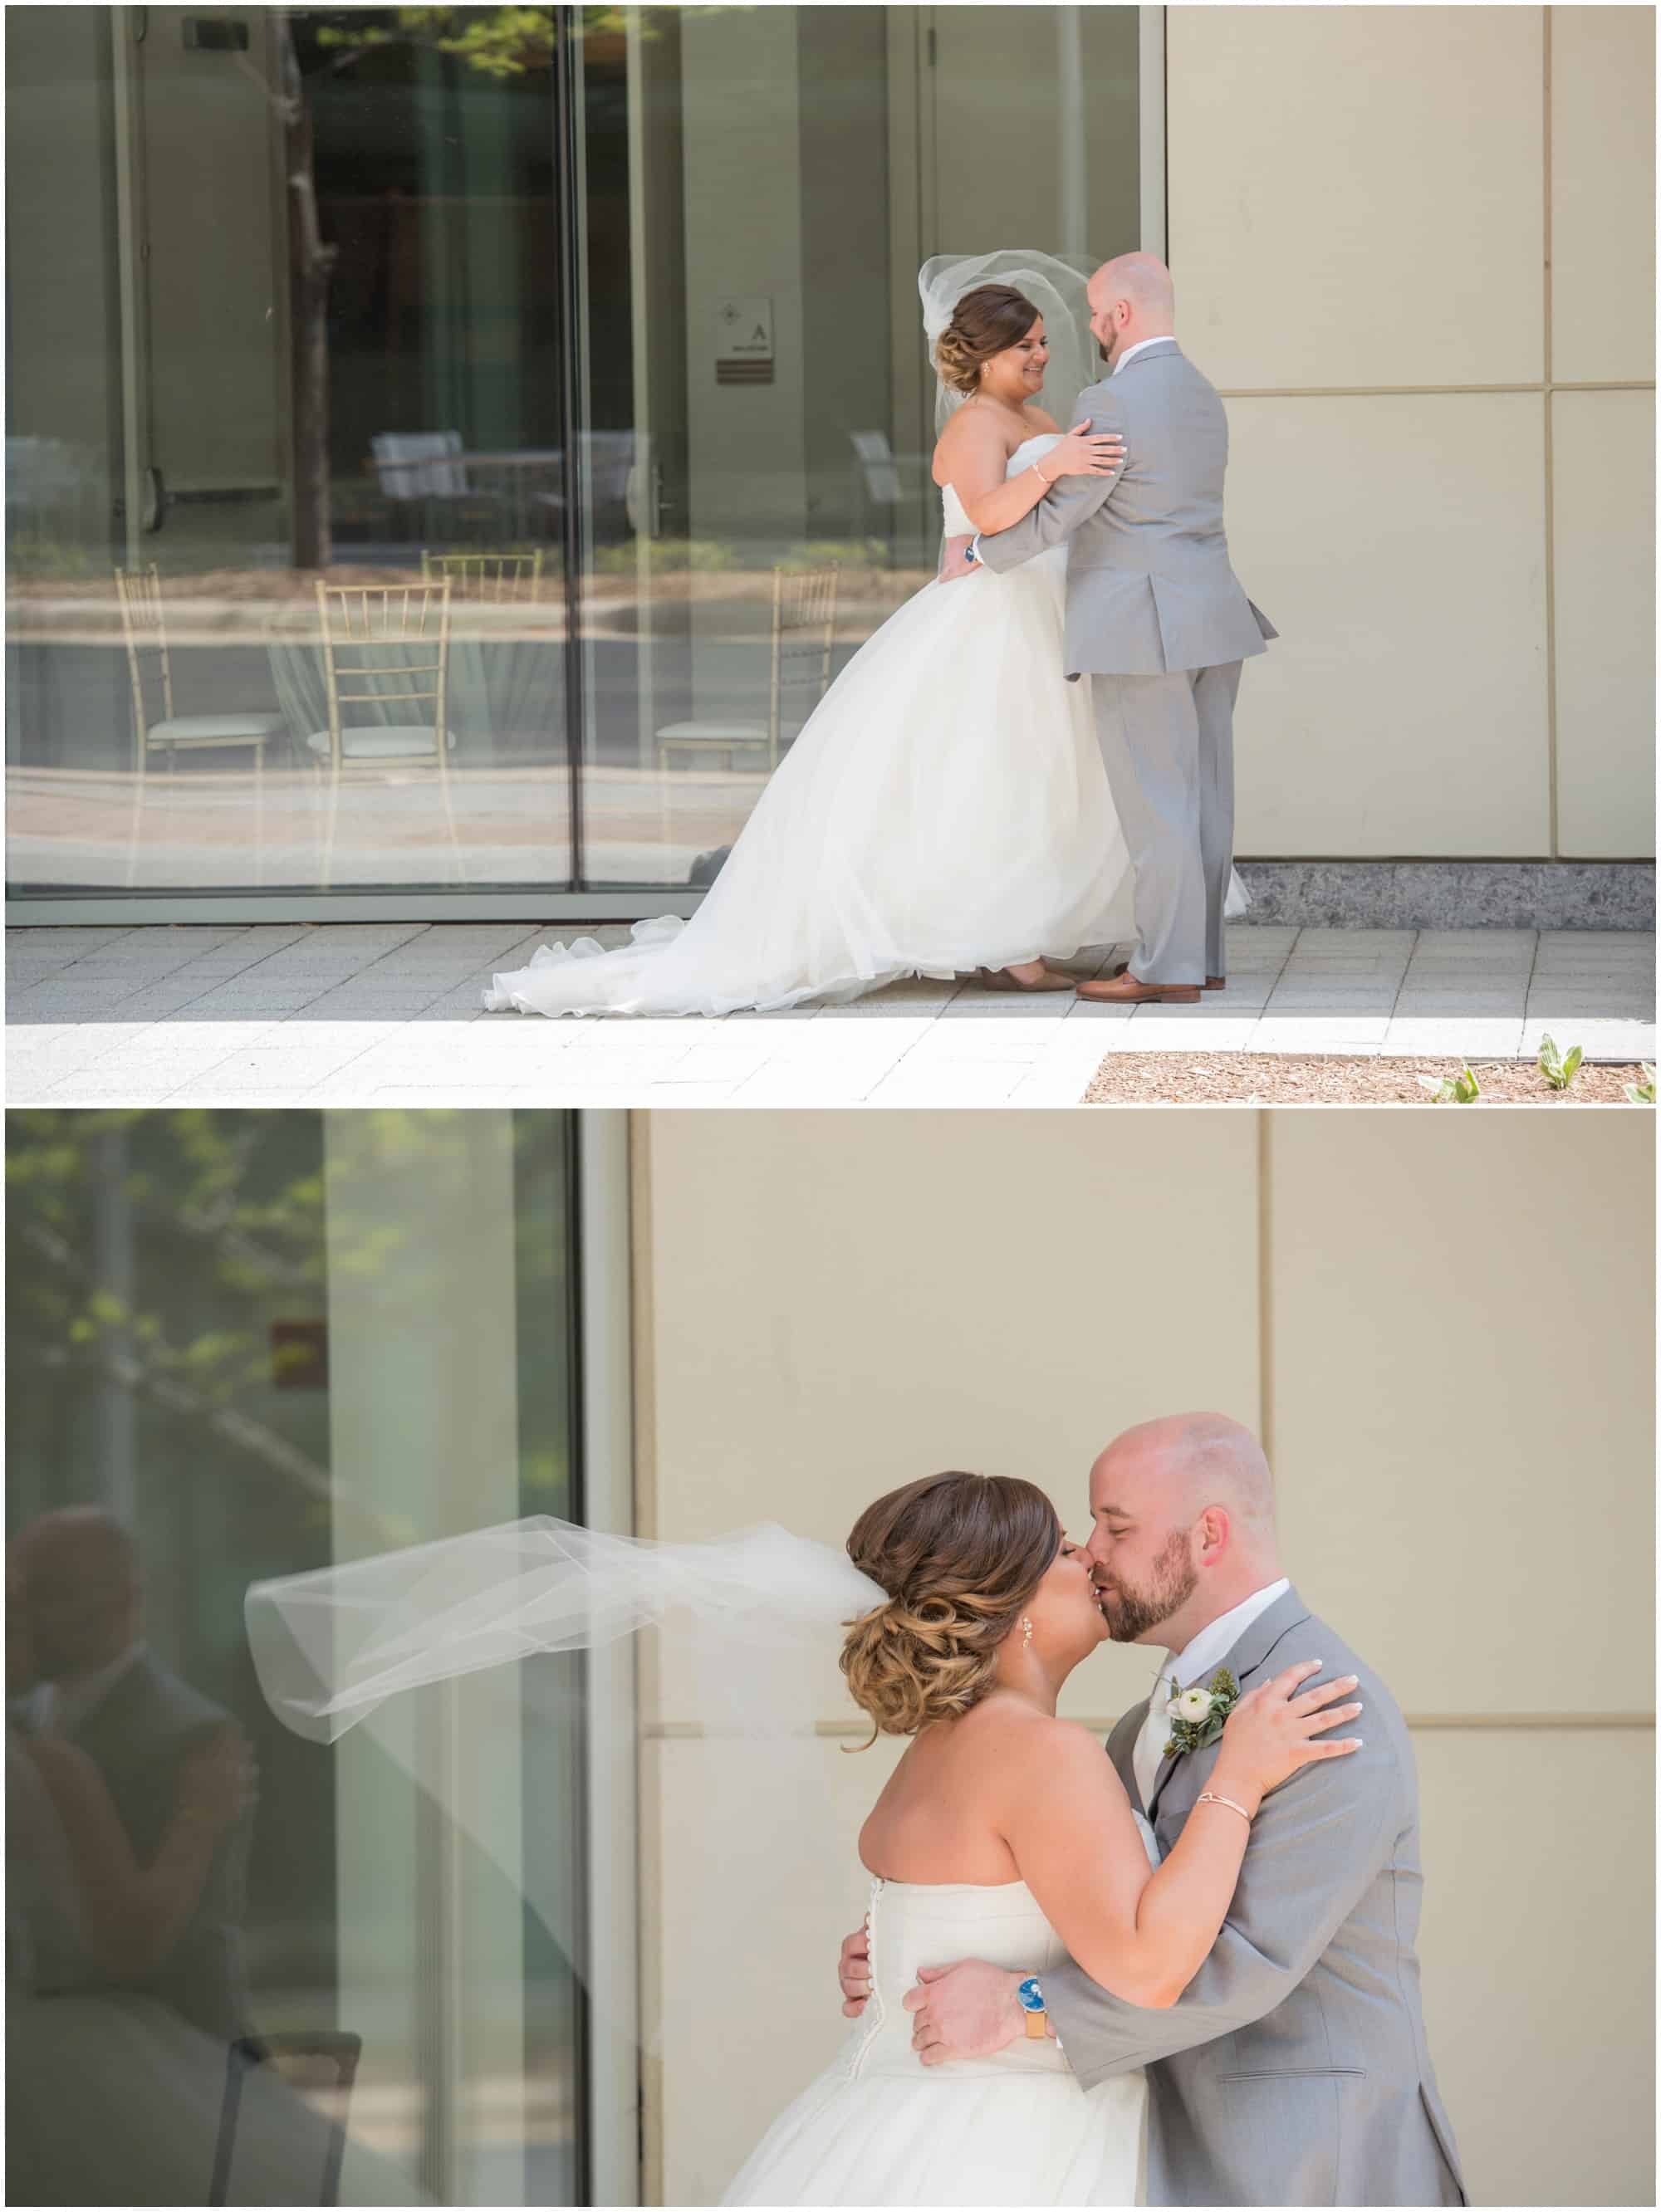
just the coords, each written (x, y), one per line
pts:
(1452, 894)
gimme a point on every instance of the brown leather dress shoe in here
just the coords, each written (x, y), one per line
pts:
(1211, 982)
(1124, 990)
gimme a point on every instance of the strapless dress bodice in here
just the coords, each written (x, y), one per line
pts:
(915, 1925)
(956, 523)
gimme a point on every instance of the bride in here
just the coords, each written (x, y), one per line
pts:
(944, 808)
(1004, 1833)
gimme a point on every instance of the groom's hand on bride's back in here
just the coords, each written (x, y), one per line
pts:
(953, 561)
(966, 2011)
(854, 1972)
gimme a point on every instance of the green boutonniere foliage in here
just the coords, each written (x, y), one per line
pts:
(1192, 1729)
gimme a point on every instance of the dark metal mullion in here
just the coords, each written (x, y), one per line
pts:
(568, 184)
(576, 1505)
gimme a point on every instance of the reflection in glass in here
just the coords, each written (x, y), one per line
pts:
(618, 303)
(275, 1973)
(295, 315)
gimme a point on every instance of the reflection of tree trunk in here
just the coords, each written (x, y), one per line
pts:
(309, 263)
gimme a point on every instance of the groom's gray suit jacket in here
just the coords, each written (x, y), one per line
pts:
(1294, 2069)
(1149, 587)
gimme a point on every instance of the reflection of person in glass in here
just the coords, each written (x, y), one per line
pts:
(150, 1783)
(128, 1800)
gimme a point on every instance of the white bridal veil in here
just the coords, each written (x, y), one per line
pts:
(446, 1656)
(1056, 289)
(332, 1646)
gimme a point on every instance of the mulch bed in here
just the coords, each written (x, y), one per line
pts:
(1321, 1079)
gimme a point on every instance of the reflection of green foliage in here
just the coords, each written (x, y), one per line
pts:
(499, 42)
(149, 1253)
(46, 560)
(665, 556)
(835, 552)
(711, 556)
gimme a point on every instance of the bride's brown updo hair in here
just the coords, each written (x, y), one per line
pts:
(988, 320)
(959, 1555)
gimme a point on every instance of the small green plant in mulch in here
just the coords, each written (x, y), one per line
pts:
(1558, 1068)
(1461, 1090)
(1642, 1093)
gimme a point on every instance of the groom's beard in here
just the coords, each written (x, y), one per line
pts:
(1130, 1614)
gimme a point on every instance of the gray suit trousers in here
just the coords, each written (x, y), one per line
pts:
(1168, 746)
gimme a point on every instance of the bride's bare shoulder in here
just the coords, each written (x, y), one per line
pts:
(1035, 1733)
(969, 436)
(1035, 1748)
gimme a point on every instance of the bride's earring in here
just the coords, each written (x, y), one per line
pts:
(1027, 1623)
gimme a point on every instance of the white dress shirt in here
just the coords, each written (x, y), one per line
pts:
(1130, 353)
(1195, 1663)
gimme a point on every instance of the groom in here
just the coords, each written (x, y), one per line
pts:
(1294, 2069)
(1156, 616)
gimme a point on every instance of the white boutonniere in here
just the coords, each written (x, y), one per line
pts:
(1197, 1716)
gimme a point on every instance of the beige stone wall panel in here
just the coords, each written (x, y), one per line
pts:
(1463, 1329)
(1355, 194)
(1603, 194)
(1539, 1980)
(1603, 535)
(1398, 542)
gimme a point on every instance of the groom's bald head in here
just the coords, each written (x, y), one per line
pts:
(1140, 278)
(1131, 298)
(1182, 1525)
(1190, 1461)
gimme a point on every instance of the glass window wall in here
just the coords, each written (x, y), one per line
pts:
(244, 1344)
(542, 348)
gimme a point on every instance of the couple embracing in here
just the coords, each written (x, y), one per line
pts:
(1034, 755)
(1180, 1974)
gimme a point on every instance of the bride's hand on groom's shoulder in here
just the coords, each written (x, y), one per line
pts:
(1282, 1727)
(1083, 452)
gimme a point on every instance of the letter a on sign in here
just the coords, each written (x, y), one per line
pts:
(744, 341)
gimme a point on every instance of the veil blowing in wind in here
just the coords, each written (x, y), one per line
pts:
(449, 1656)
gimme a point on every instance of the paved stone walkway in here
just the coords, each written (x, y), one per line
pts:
(375, 1014)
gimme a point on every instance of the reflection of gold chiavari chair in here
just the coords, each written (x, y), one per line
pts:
(150, 666)
(804, 629)
(406, 630)
(491, 577)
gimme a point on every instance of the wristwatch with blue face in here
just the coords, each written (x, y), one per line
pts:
(970, 554)
(1031, 1997)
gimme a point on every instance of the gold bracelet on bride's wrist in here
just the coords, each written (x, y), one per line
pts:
(1213, 1797)
(1039, 473)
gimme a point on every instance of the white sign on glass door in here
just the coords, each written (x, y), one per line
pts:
(744, 341)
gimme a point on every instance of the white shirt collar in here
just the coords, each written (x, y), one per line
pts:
(59, 1708)
(1217, 1639)
(1140, 346)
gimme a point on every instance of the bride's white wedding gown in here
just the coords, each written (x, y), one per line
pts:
(878, 2127)
(944, 808)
